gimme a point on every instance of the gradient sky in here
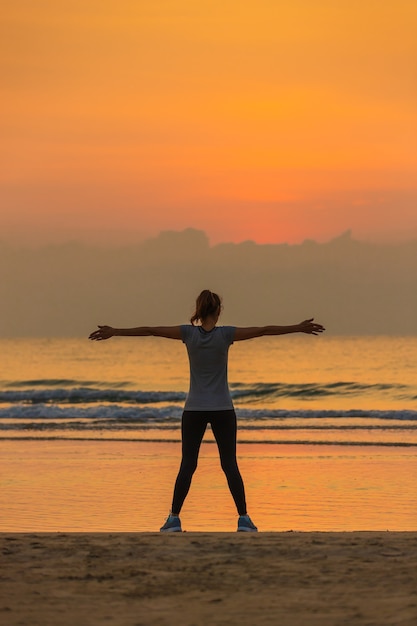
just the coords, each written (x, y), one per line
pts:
(269, 120)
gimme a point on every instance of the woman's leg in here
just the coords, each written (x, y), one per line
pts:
(193, 426)
(223, 424)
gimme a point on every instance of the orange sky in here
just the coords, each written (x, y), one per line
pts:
(268, 120)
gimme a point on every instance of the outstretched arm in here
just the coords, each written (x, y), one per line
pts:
(105, 332)
(308, 326)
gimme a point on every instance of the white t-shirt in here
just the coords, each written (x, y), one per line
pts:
(207, 354)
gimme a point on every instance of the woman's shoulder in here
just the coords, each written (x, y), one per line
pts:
(189, 330)
(228, 333)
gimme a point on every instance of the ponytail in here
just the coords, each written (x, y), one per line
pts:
(206, 304)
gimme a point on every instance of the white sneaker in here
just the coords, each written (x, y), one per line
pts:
(245, 525)
(172, 525)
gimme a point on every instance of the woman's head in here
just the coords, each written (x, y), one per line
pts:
(208, 304)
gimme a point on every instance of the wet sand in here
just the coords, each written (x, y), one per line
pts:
(205, 579)
(126, 486)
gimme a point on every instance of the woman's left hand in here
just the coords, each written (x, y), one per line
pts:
(103, 332)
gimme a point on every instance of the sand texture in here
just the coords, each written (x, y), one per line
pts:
(204, 579)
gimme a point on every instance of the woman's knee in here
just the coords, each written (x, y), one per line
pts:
(188, 466)
(229, 466)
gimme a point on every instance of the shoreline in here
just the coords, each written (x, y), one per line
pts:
(222, 578)
(240, 442)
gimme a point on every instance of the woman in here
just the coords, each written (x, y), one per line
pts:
(208, 399)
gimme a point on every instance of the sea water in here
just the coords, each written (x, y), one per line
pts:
(320, 420)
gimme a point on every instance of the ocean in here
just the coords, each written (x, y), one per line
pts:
(299, 400)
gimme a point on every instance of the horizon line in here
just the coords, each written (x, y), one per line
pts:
(346, 235)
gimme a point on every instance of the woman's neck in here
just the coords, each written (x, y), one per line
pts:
(209, 323)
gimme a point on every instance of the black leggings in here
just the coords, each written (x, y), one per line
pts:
(193, 426)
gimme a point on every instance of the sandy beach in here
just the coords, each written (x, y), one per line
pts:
(193, 579)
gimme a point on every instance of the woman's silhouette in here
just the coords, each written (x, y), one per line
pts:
(208, 400)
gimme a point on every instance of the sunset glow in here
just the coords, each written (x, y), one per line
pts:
(272, 121)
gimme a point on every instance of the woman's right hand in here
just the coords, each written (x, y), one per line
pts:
(103, 332)
(310, 327)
